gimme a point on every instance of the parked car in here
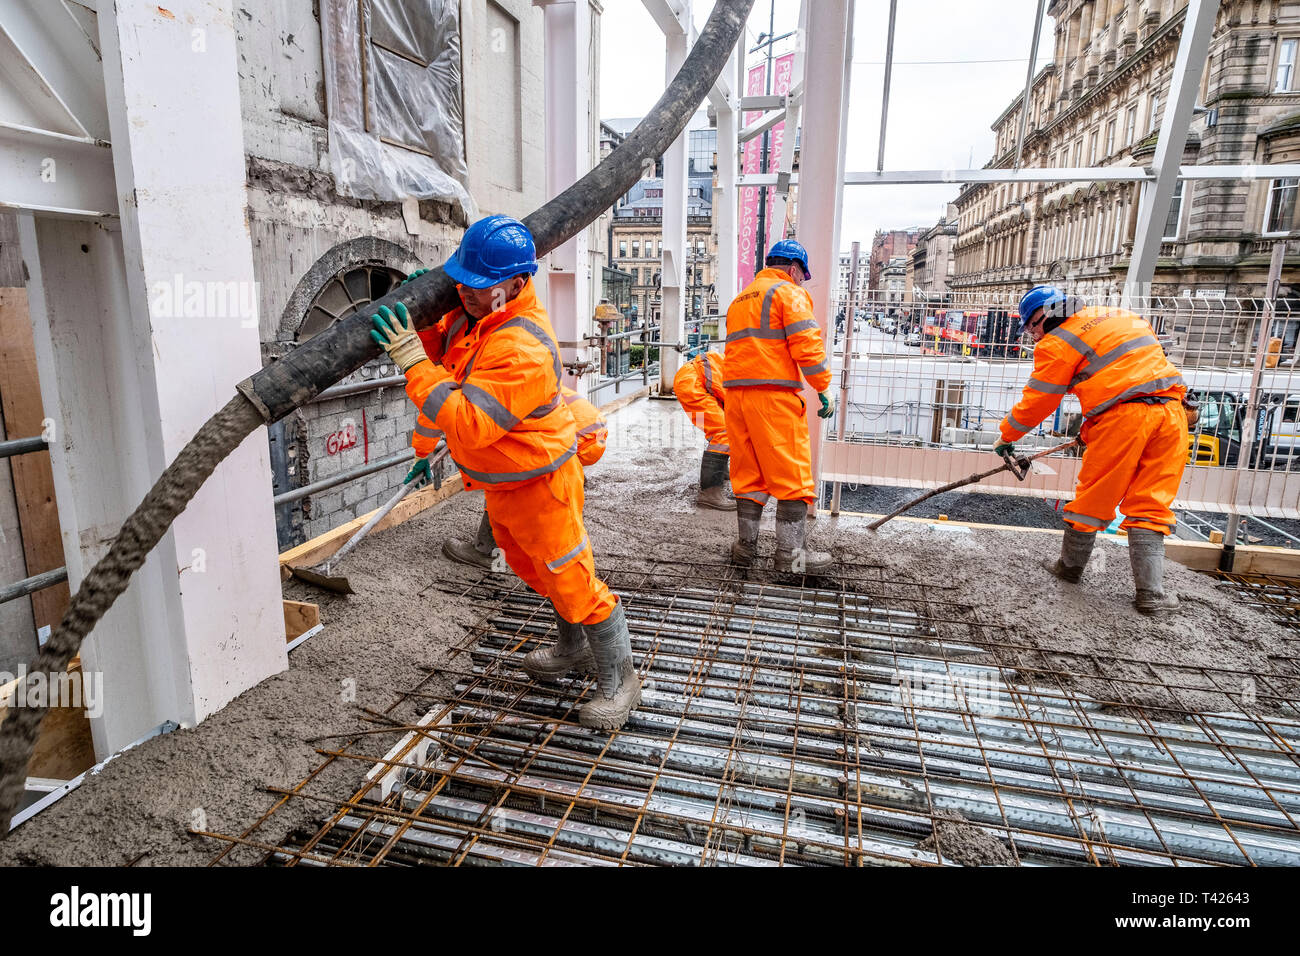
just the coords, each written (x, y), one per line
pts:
(913, 338)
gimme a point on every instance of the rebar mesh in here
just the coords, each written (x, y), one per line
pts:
(809, 722)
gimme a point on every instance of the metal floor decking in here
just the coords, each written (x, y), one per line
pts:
(811, 723)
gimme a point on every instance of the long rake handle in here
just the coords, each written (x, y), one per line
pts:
(953, 485)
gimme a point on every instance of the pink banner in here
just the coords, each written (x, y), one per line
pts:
(749, 194)
(782, 68)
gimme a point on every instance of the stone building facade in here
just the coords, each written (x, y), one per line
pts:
(887, 245)
(1100, 102)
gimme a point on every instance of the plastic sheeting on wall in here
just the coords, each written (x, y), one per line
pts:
(395, 128)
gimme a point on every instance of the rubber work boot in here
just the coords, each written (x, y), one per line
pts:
(569, 653)
(713, 477)
(478, 553)
(1146, 553)
(1076, 547)
(791, 535)
(748, 515)
(618, 688)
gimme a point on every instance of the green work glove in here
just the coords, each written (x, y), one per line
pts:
(828, 405)
(420, 473)
(397, 337)
(1005, 448)
(414, 275)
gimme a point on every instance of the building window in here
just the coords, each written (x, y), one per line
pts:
(1130, 126)
(1110, 138)
(1175, 213)
(1279, 211)
(1155, 112)
(622, 248)
(660, 246)
(1285, 77)
(1092, 149)
(636, 249)
(1118, 241)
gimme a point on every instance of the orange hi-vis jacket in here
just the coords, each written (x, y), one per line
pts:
(698, 388)
(593, 429)
(1103, 355)
(494, 391)
(707, 368)
(772, 337)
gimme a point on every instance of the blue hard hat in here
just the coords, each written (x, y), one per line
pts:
(1039, 297)
(790, 249)
(491, 251)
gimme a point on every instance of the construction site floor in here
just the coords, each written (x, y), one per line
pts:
(938, 699)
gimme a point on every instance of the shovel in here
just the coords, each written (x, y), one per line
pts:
(338, 583)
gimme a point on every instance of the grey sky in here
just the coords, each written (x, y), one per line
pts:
(939, 112)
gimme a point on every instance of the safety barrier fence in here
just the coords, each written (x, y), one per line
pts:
(929, 381)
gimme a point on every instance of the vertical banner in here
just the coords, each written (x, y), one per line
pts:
(749, 194)
(782, 69)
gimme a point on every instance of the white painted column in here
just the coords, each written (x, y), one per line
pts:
(568, 158)
(142, 331)
(673, 296)
(725, 196)
(821, 161)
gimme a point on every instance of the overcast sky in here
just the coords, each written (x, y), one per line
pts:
(939, 111)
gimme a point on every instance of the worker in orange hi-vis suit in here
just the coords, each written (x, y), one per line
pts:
(1135, 430)
(496, 397)
(772, 341)
(698, 387)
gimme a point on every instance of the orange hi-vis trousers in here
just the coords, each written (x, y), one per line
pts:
(1134, 461)
(538, 526)
(771, 455)
(702, 408)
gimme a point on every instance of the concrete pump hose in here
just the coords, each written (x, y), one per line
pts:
(284, 385)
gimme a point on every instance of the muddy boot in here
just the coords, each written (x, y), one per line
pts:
(569, 653)
(748, 515)
(1146, 553)
(478, 553)
(791, 535)
(1076, 546)
(713, 479)
(618, 688)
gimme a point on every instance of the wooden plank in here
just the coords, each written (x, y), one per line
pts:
(319, 548)
(38, 514)
(299, 617)
(64, 747)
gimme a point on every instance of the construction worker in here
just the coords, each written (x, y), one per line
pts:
(773, 340)
(1135, 429)
(495, 395)
(593, 432)
(698, 387)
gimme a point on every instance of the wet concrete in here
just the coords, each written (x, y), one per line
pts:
(396, 628)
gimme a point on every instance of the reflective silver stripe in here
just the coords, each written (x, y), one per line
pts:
(539, 333)
(493, 478)
(1016, 424)
(758, 497)
(437, 398)
(1146, 388)
(755, 334)
(815, 369)
(1101, 361)
(800, 326)
(562, 561)
(1051, 388)
(1078, 344)
(487, 403)
(592, 429)
(765, 316)
(724, 449)
(743, 382)
(541, 411)
(427, 432)
(1084, 519)
(708, 375)
(452, 332)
